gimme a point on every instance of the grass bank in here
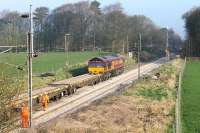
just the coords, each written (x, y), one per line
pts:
(190, 105)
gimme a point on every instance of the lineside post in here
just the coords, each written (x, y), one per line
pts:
(30, 56)
(139, 50)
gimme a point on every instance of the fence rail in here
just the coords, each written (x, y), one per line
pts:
(178, 100)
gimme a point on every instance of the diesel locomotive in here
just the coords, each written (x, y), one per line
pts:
(106, 65)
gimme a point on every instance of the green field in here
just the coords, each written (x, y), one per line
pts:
(47, 62)
(190, 104)
(54, 63)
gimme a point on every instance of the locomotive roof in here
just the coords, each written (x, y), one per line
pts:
(105, 58)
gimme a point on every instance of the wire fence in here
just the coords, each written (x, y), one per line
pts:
(178, 100)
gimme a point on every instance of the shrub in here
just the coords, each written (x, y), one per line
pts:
(10, 87)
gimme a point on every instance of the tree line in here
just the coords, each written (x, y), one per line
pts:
(89, 27)
(192, 26)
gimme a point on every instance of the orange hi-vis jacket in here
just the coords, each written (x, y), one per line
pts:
(24, 117)
(44, 101)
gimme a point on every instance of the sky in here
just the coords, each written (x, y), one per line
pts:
(164, 13)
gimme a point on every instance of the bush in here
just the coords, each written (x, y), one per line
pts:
(10, 87)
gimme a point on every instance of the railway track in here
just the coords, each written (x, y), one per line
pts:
(89, 94)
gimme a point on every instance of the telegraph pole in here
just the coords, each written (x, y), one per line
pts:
(139, 50)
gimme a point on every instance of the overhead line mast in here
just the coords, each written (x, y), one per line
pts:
(139, 52)
(30, 56)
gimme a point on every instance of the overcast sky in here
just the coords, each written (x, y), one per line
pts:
(163, 12)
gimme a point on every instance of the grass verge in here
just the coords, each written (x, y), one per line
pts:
(190, 107)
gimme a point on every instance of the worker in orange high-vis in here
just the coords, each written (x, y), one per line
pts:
(44, 101)
(24, 116)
